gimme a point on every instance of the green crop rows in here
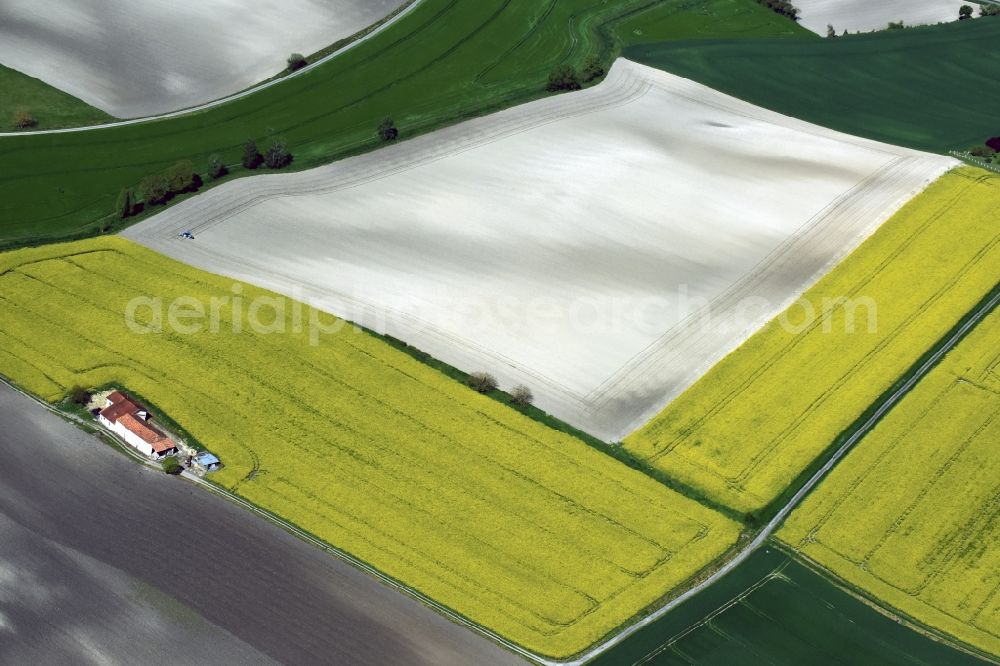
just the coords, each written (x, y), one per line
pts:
(930, 88)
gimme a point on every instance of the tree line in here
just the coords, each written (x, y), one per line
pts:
(159, 188)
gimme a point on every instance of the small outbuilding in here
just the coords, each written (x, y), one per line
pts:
(208, 461)
(130, 421)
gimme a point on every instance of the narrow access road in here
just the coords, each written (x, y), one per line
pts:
(106, 560)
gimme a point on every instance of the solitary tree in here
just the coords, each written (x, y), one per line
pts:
(830, 32)
(522, 395)
(483, 382)
(964, 12)
(24, 120)
(126, 203)
(154, 189)
(216, 168)
(563, 77)
(277, 155)
(592, 69)
(983, 152)
(296, 61)
(783, 7)
(172, 466)
(79, 395)
(387, 130)
(181, 177)
(251, 156)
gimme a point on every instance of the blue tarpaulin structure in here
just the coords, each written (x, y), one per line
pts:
(207, 460)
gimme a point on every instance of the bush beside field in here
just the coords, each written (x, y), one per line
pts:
(911, 515)
(750, 426)
(48, 107)
(521, 528)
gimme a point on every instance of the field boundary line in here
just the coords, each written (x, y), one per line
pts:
(975, 161)
(379, 26)
(880, 606)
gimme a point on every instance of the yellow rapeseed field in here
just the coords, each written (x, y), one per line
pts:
(525, 530)
(753, 423)
(912, 514)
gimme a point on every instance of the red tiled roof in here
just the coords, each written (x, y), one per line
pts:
(120, 405)
(148, 434)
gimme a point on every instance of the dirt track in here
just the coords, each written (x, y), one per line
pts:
(88, 571)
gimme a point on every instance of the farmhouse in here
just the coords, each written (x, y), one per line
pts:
(130, 421)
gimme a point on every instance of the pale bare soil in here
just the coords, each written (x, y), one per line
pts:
(604, 247)
(141, 58)
(868, 15)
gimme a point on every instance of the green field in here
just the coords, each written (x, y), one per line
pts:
(912, 514)
(48, 106)
(521, 528)
(930, 88)
(773, 610)
(445, 61)
(706, 19)
(746, 431)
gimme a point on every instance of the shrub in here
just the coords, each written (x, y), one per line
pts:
(126, 203)
(277, 155)
(994, 143)
(895, 26)
(296, 61)
(964, 12)
(783, 7)
(983, 152)
(24, 120)
(522, 395)
(172, 466)
(79, 395)
(563, 77)
(989, 10)
(154, 189)
(216, 169)
(483, 382)
(181, 177)
(592, 69)
(387, 130)
(251, 156)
